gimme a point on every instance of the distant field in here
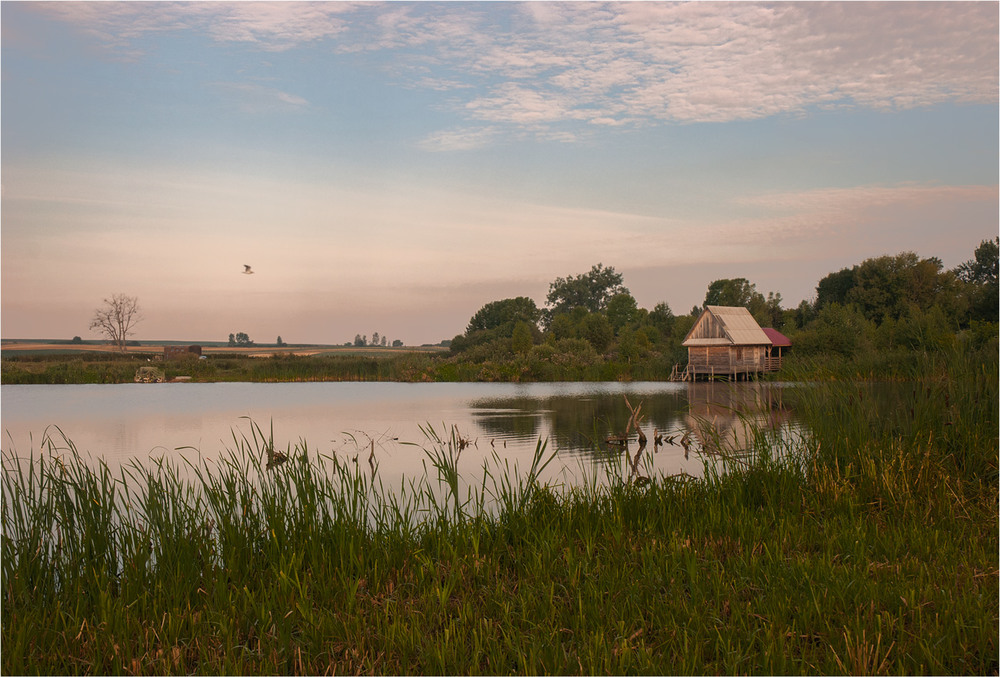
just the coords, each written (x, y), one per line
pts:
(25, 346)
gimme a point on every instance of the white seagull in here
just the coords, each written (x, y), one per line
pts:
(246, 270)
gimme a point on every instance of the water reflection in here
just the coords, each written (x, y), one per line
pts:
(708, 415)
(355, 421)
(579, 424)
(724, 418)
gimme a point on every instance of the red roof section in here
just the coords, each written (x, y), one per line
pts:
(777, 338)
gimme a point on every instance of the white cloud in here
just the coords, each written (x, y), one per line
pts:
(458, 139)
(273, 26)
(537, 65)
(276, 26)
(254, 98)
(522, 106)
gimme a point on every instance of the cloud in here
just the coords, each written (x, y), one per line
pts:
(254, 98)
(272, 26)
(458, 139)
(547, 67)
(276, 26)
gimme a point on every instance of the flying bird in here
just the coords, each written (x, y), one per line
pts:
(246, 270)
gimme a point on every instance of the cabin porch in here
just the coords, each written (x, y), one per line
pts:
(737, 372)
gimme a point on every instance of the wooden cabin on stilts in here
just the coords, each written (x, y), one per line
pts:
(727, 343)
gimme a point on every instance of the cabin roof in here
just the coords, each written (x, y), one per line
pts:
(777, 338)
(737, 324)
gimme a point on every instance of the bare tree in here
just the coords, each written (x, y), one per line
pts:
(117, 318)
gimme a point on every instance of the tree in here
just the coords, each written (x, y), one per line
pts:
(498, 320)
(359, 341)
(597, 331)
(504, 315)
(232, 339)
(836, 329)
(243, 339)
(375, 339)
(834, 288)
(622, 311)
(985, 266)
(279, 342)
(804, 314)
(732, 292)
(739, 292)
(117, 318)
(591, 290)
(886, 286)
(773, 309)
(522, 338)
(662, 318)
(980, 276)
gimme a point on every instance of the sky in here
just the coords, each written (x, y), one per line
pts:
(393, 167)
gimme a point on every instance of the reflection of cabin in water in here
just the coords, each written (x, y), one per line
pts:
(726, 417)
(727, 342)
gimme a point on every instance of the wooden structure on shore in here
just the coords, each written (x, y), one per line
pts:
(181, 352)
(726, 342)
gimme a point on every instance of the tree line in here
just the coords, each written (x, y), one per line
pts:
(882, 303)
(361, 341)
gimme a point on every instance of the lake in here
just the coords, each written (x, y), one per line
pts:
(348, 420)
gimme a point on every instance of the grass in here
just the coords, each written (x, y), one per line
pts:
(872, 549)
(111, 368)
(542, 364)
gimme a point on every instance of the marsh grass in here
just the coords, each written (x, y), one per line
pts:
(407, 367)
(868, 546)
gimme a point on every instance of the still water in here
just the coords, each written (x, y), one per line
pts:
(503, 422)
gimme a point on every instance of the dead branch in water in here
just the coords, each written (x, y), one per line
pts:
(636, 421)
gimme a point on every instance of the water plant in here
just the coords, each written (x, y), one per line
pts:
(866, 545)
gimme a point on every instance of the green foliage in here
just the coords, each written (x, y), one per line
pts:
(980, 276)
(739, 292)
(834, 288)
(629, 347)
(732, 292)
(58, 370)
(590, 291)
(597, 330)
(838, 329)
(885, 286)
(622, 311)
(504, 315)
(522, 338)
(240, 339)
(500, 320)
(804, 314)
(917, 330)
(980, 336)
(887, 304)
(867, 545)
(661, 318)
(984, 267)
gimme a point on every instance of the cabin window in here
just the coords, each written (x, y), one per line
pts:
(739, 353)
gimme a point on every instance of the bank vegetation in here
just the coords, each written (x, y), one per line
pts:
(867, 545)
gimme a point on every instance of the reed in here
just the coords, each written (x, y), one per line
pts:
(865, 545)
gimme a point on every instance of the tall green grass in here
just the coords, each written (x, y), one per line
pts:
(867, 546)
